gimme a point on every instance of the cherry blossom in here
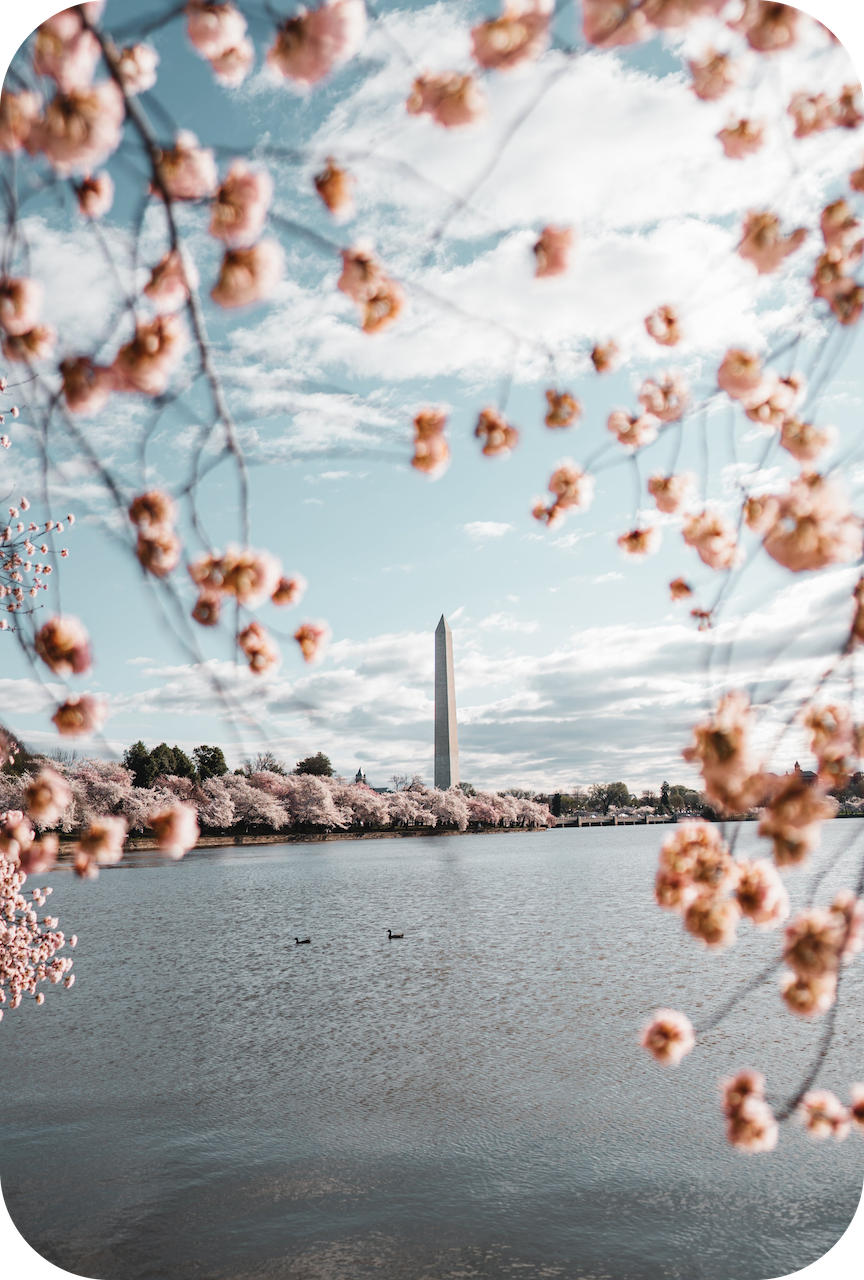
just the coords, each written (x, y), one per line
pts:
(640, 542)
(856, 1110)
(812, 113)
(721, 747)
(713, 76)
(552, 250)
(168, 286)
(239, 210)
(233, 66)
(362, 275)
(832, 275)
(249, 275)
(668, 1036)
(769, 27)
(186, 171)
(250, 576)
(693, 860)
(750, 1123)
(847, 302)
(840, 230)
(95, 195)
(18, 113)
(740, 374)
(607, 23)
(312, 638)
(793, 819)
(38, 344)
(335, 186)
(761, 894)
(744, 138)
(20, 304)
(47, 796)
(666, 398)
(136, 66)
(763, 244)
(207, 609)
(66, 51)
(813, 942)
(833, 742)
(824, 1116)
(662, 325)
(814, 527)
(86, 387)
(519, 35)
(632, 430)
(383, 307)
(99, 846)
(80, 129)
(773, 400)
(804, 441)
(147, 362)
(176, 829)
(262, 653)
(713, 538)
(671, 492)
(431, 451)
(572, 487)
(451, 99)
(310, 45)
(851, 911)
(497, 435)
(847, 109)
(152, 510)
(564, 409)
(158, 551)
(808, 997)
(64, 646)
(604, 356)
(679, 589)
(79, 714)
(289, 590)
(213, 28)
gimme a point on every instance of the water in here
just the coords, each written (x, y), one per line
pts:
(211, 1101)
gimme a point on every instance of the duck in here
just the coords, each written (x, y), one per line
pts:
(391, 935)
(302, 941)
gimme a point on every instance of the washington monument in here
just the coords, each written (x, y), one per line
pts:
(446, 742)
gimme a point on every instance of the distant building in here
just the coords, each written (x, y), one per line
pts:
(359, 779)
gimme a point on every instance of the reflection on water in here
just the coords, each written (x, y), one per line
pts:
(212, 1101)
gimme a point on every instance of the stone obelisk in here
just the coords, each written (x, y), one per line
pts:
(446, 741)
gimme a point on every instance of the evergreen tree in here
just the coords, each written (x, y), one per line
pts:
(319, 765)
(183, 766)
(140, 761)
(163, 758)
(210, 761)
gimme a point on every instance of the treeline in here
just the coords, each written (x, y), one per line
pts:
(146, 765)
(603, 797)
(262, 799)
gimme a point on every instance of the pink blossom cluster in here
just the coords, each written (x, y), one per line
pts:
(379, 299)
(158, 549)
(750, 1122)
(83, 123)
(572, 490)
(833, 277)
(563, 409)
(431, 450)
(28, 956)
(818, 940)
(816, 112)
(498, 436)
(24, 339)
(22, 575)
(314, 42)
(335, 186)
(218, 33)
(722, 750)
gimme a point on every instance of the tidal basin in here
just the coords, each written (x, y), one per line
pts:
(212, 1101)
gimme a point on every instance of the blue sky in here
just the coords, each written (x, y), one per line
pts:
(572, 666)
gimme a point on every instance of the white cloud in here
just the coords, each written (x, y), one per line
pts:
(480, 529)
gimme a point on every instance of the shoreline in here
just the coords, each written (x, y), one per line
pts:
(144, 843)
